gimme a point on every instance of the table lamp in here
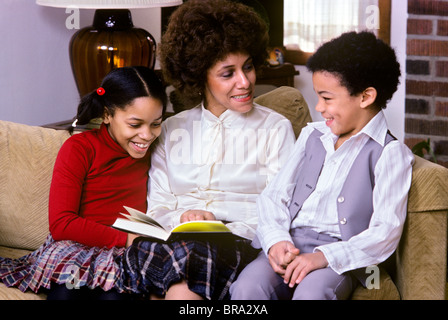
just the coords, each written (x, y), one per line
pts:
(111, 42)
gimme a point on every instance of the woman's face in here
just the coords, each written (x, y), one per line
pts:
(136, 126)
(230, 84)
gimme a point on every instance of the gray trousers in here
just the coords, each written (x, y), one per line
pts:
(258, 281)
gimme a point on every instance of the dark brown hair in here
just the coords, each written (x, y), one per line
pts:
(121, 86)
(360, 60)
(201, 33)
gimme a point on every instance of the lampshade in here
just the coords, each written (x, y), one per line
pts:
(109, 4)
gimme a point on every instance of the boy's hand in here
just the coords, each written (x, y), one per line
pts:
(194, 215)
(281, 255)
(302, 265)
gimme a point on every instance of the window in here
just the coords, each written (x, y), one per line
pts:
(309, 23)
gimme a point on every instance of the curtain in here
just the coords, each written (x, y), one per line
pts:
(309, 23)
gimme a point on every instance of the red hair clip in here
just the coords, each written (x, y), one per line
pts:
(100, 91)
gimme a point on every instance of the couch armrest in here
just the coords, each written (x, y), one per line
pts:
(421, 257)
(27, 155)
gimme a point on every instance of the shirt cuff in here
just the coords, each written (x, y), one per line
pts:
(268, 239)
(332, 261)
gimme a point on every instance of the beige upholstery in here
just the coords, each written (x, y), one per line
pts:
(27, 155)
(289, 102)
(422, 254)
(421, 258)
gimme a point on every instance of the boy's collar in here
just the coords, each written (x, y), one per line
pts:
(376, 128)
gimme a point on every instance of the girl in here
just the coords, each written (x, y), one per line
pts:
(96, 173)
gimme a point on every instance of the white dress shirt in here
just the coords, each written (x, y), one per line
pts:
(393, 174)
(218, 164)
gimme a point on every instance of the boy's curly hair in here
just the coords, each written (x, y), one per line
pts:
(201, 33)
(360, 60)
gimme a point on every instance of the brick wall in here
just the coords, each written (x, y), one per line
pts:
(427, 76)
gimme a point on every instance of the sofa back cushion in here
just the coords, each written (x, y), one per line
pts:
(289, 102)
(429, 187)
(27, 156)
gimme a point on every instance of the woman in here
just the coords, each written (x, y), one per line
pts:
(211, 161)
(96, 173)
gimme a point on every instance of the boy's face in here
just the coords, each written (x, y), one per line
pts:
(344, 114)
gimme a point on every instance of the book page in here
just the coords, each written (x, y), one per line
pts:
(140, 216)
(144, 229)
(140, 223)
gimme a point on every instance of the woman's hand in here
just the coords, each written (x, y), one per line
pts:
(194, 215)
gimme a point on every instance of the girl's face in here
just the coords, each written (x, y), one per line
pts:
(230, 84)
(342, 112)
(136, 126)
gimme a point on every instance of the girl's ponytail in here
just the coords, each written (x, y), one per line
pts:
(90, 107)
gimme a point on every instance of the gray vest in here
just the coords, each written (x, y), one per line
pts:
(355, 202)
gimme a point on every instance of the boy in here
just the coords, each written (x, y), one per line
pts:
(339, 204)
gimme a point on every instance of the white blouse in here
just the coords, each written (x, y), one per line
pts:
(216, 164)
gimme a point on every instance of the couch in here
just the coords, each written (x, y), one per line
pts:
(416, 271)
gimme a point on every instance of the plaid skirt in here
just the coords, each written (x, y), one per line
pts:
(150, 267)
(63, 262)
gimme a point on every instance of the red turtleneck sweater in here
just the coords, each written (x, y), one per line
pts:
(93, 178)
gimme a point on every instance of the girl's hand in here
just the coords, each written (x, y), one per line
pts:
(194, 215)
(131, 238)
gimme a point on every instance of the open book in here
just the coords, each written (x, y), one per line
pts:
(140, 223)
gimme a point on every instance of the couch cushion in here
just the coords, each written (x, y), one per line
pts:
(27, 155)
(13, 253)
(386, 290)
(290, 103)
(427, 177)
(15, 294)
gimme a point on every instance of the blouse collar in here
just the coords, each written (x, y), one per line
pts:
(228, 118)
